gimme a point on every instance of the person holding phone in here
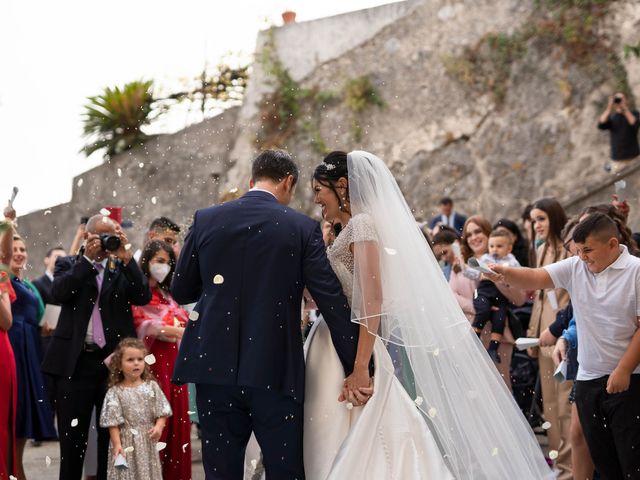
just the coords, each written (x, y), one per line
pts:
(623, 124)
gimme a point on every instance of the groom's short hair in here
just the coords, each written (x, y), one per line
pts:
(274, 165)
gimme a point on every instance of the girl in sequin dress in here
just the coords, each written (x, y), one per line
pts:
(135, 411)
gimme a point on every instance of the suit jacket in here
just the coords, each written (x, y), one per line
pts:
(246, 263)
(458, 221)
(44, 285)
(75, 288)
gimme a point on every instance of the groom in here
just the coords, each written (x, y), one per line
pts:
(246, 263)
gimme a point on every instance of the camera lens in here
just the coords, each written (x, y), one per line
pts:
(109, 242)
(617, 100)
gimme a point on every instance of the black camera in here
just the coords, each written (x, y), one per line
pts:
(109, 242)
(617, 99)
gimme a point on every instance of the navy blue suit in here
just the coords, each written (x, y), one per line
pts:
(246, 263)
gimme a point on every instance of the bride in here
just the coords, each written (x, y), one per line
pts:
(439, 408)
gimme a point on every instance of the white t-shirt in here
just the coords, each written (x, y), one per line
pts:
(606, 307)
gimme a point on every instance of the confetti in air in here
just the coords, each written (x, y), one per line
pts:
(127, 246)
(74, 422)
(80, 182)
(128, 450)
(150, 359)
(390, 251)
(112, 403)
(47, 212)
(189, 412)
(134, 431)
(104, 212)
(193, 316)
(141, 165)
(432, 412)
(349, 406)
(47, 461)
(184, 447)
(546, 425)
(218, 279)
(119, 172)
(553, 454)
(160, 446)
(254, 463)
(494, 452)
(418, 401)
(154, 200)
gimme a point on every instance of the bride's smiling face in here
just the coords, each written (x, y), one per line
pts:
(326, 198)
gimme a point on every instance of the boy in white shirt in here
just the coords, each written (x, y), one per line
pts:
(603, 281)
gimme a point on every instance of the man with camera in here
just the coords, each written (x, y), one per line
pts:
(96, 289)
(623, 125)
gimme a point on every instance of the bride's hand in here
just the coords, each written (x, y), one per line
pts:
(359, 379)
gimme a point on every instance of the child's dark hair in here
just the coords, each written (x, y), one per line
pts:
(446, 236)
(332, 169)
(115, 365)
(596, 225)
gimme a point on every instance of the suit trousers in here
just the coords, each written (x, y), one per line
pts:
(76, 398)
(611, 427)
(557, 411)
(229, 413)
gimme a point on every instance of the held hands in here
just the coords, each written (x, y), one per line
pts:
(619, 381)
(357, 387)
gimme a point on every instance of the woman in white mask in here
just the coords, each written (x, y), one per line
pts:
(160, 324)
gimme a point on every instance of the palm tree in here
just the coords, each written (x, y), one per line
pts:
(114, 119)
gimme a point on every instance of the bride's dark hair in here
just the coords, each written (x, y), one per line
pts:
(332, 169)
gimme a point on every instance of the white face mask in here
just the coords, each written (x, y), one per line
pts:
(159, 271)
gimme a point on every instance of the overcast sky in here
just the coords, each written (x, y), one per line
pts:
(55, 54)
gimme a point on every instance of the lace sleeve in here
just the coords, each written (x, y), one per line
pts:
(363, 228)
(111, 415)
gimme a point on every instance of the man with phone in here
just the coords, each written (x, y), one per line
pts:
(623, 125)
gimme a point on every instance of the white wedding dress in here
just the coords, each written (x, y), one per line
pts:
(386, 439)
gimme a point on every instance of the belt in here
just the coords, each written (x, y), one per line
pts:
(91, 347)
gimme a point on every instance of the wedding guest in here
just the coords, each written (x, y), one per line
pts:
(96, 289)
(448, 217)
(443, 249)
(623, 124)
(548, 219)
(8, 378)
(34, 418)
(475, 243)
(603, 279)
(520, 244)
(165, 229)
(160, 324)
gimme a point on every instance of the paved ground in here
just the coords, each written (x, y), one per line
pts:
(35, 462)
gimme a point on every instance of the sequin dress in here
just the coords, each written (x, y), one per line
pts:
(135, 410)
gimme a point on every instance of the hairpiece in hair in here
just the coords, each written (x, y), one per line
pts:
(329, 166)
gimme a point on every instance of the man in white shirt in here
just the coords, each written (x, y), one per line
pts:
(603, 281)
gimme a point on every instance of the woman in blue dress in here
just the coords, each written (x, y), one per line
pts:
(33, 416)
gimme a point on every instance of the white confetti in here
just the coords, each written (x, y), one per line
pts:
(74, 422)
(80, 182)
(254, 463)
(432, 412)
(390, 251)
(105, 219)
(436, 352)
(114, 193)
(11, 477)
(546, 425)
(553, 454)
(127, 246)
(233, 190)
(189, 412)
(128, 450)
(141, 164)
(184, 447)
(218, 279)
(349, 406)
(47, 461)
(418, 401)
(112, 403)
(150, 359)
(105, 212)
(475, 294)
(160, 446)
(193, 315)
(47, 212)
(494, 452)
(134, 431)
(119, 172)
(154, 200)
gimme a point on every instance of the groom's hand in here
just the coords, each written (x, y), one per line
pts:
(357, 387)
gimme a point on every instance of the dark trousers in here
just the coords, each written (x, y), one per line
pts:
(49, 380)
(488, 296)
(76, 398)
(228, 415)
(611, 425)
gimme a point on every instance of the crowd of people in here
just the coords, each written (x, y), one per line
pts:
(99, 334)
